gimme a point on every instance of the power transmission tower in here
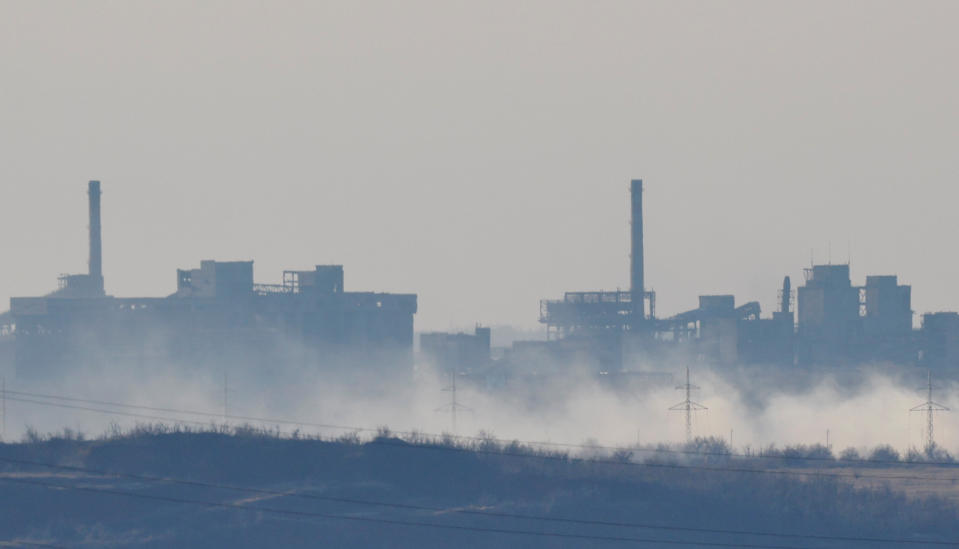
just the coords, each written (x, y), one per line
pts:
(688, 406)
(453, 405)
(930, 407)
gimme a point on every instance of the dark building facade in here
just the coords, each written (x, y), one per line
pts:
(460, 352)
(939, 342)
(828, 314)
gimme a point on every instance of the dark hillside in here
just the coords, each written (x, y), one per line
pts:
(250, 489)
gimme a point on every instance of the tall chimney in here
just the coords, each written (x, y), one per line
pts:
(786, 295)
(96, 252)
(637, 283)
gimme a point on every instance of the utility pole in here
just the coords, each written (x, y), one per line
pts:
(3, 412)
(688, 406)
(453, 405)
(930, 407)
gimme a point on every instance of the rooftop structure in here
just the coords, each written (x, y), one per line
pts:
(595, 312)
(836, 323)
(217, 313)
(828, 314)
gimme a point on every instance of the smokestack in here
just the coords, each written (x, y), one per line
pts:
(786, 295)
(96, 252)
(637, 282)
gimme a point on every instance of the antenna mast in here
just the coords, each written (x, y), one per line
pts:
(930, 407)
(688, 406)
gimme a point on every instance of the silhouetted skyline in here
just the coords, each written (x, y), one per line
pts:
(475, 156)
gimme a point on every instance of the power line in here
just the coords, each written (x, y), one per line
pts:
(854, 475)
(21, 543)
(111, 412)
(353, 428)
(264, 491)
(563, 458)
(424, 524)
(188, 412)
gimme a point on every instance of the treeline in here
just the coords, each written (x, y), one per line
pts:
(701, 450)
(714, 449)
(651, 485)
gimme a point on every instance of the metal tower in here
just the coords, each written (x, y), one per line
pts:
(930, 407)
(688, 406)
(453, 404)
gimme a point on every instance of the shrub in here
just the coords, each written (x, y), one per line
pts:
(884, 452)
(850, 454)
(32, 436)
(352, 438)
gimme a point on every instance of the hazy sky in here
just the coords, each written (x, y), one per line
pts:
(478, 153)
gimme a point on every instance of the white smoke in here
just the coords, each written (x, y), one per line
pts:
(860, 411)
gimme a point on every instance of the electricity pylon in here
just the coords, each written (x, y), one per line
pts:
(453, 405)
(688, 406)
(930, 407)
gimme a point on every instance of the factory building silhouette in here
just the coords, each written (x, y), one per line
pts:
(833, 323)
(219, 311)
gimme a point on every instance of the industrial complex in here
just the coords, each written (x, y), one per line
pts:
(835, 323)
(219, 311)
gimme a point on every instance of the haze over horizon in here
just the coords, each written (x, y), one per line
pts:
(479, 154)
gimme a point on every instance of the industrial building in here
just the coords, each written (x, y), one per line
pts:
(217, 313)
(835, 323)
(595, 327)
(611, 329)
(460, 352)
(601, 312)
(839, 322)
(939, 342)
